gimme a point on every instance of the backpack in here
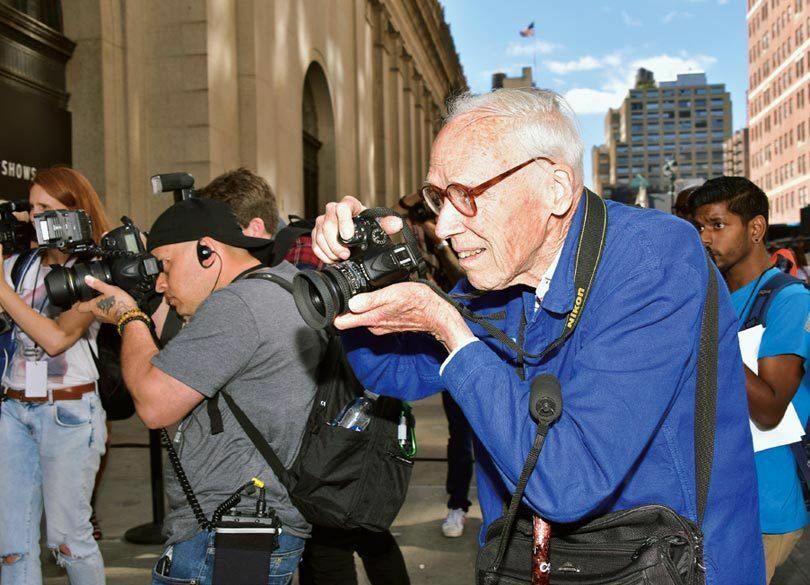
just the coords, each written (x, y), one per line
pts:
(341, 478)
(114, 395)
(287, 236)
(759, 308)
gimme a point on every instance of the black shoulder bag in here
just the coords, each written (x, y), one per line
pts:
(649, 544)
(340, 478)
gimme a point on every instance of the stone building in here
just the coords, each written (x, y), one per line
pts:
(779, 104)
(324, 98)
(684, 121)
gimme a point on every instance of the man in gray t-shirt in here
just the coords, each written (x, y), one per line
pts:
(243, 336)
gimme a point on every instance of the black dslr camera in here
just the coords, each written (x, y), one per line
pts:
(124, 260)
(375, 262)
(15, 235)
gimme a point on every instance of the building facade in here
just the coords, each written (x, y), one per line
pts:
(779, 103)
(323, 98)
(736, 155)
(686, 121)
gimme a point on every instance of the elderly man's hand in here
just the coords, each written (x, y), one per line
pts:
(337, 220)
(406, 306)
(108, 307)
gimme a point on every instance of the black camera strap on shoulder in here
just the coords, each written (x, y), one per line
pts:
(590, 247)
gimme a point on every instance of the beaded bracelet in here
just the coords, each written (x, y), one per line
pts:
(130, 316)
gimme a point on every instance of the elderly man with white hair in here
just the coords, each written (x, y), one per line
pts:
(506, 182)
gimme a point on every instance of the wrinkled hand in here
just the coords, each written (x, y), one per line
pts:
(337, 220)
(406, 306)
(108, 307)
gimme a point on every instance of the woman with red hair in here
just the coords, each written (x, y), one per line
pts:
(52, 426)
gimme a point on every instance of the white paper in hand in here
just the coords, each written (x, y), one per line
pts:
(789, 430)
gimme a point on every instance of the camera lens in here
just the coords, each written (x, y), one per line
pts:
(66, 286)
(322, 296)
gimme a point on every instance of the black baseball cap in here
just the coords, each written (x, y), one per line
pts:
(195, 218)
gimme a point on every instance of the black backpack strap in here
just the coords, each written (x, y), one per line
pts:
(258, 441)
(759, 308)
(282, 282)
(214, 415)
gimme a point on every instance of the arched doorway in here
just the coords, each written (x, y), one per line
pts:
(318, 123)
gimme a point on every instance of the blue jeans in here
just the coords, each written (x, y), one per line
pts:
(51, 454)
(192, 561)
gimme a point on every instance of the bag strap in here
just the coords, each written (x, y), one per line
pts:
(706, 392)
(759, 308)
(705, 415)
(258, 441)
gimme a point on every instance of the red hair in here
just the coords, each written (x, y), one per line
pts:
(74, 191)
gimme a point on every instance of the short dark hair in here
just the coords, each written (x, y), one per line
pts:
(247, 194)
(743, 197)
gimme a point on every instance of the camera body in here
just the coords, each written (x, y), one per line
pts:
(375, 262)
(124, 263)
(15, 235)
(65, 230)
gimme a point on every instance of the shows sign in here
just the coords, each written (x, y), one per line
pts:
(34, 134)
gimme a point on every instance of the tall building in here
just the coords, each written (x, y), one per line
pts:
(778, 103)
(686, 120)
(500, 80)
(736, 155)
(322, 98)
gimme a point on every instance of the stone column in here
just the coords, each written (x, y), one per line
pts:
(393, 45)
(378, 73)
(406, 185)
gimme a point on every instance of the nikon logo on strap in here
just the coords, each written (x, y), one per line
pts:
(572, 318)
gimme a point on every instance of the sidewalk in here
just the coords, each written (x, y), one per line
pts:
(125, 502)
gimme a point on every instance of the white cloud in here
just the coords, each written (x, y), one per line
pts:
(584, 63)
(629, 20)
(593, 101)
(666, 67)
(721, 2)
(670, 16)
(620, 77)
(541, 47)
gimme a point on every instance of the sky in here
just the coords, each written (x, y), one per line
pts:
(589, 50)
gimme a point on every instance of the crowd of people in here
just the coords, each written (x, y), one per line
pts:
(504, 223)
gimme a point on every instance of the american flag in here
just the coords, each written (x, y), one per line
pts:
(528, 31)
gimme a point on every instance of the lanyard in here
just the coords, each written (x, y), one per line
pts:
(590, 246)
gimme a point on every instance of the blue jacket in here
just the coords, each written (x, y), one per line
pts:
(628, 374)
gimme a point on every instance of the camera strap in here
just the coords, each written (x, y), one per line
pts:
(590, 247)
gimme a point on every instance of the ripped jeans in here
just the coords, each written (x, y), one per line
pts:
(51, 454)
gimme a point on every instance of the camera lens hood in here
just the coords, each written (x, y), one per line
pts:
(314, 299)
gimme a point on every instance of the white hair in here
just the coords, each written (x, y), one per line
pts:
(542, 121)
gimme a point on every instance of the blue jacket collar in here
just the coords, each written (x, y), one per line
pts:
(560, 296)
